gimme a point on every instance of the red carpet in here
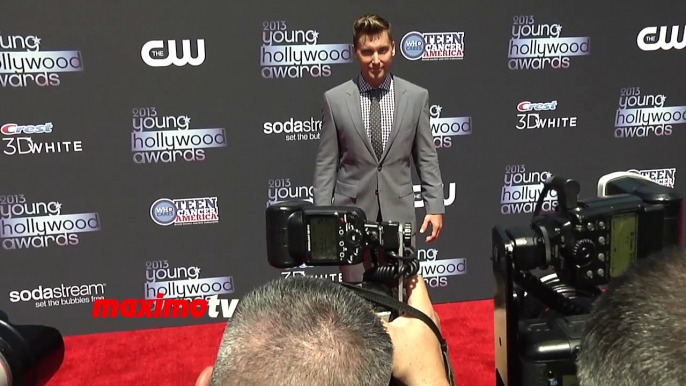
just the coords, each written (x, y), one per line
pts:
(175, 356)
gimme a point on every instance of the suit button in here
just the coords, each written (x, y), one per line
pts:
(379, 168)
(376, 192)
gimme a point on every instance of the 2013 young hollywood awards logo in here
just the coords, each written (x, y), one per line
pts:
(283, 189)
(23, 64)
(186, 283)
(432, 46)
(170, 138)
(25, 224)
(536, 46)
(665, 38)
(521, 189)
(59, 295)
(540, 115)
(665, 177)
(645, 115)
(22, 139)
(444, 129)
(160, 53)
(185, 211)
(173, 292)
(297, 53)
(294, 130)
(436, 271)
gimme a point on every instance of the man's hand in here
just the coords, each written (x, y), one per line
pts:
(436, 222)
(417, 356)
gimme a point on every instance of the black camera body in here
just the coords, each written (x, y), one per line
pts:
(583, 245)
(299, 233)
(548, 348)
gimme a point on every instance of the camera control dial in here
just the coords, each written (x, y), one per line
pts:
(354, 236)
(583, 251)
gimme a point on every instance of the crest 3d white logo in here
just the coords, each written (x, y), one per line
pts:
(649, 39)
(153, 53)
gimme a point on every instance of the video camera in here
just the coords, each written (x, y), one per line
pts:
(299, 233)
(540, 317)
(29, 354)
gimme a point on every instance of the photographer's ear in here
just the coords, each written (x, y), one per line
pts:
(204, 377)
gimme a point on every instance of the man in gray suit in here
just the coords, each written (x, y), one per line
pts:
(372, 126)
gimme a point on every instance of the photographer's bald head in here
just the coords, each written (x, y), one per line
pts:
(302, 331)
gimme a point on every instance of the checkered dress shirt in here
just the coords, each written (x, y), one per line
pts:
(387, 104)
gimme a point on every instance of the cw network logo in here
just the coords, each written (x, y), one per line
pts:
(447, 201)
(649, 39)
(155, 54)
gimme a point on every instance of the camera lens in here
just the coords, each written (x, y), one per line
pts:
(29, 355)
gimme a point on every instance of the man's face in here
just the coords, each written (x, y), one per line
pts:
(375, 54)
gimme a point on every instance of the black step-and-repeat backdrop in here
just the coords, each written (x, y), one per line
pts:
(141, 142)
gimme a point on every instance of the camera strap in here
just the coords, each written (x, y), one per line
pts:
(397, 305)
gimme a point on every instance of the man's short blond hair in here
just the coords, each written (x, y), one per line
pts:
(370, 25)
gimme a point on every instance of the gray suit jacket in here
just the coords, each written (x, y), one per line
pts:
(348, 173)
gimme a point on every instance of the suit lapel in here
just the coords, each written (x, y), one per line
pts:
(353, 102)
(400, 106)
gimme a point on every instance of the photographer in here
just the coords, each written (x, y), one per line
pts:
(304, 331)
(635, 333)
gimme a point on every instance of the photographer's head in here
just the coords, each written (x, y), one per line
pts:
(636, 332)
(303, 331)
